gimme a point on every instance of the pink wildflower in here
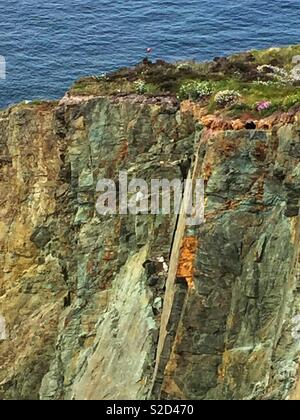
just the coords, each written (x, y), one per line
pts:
(261, 106)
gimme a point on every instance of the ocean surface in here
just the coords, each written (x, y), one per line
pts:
(47, 45)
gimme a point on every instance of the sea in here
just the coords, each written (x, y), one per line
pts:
(46, 45)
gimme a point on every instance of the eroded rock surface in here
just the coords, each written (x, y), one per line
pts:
(83, 320)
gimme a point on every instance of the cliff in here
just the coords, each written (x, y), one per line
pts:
(82, 319)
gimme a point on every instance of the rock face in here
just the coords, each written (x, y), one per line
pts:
(83, 319)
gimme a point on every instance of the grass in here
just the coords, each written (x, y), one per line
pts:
(282, 97)
(237, 72)
(281, 57)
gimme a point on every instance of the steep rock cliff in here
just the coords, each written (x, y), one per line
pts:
(82, 320)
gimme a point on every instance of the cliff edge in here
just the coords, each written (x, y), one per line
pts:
(222, 320)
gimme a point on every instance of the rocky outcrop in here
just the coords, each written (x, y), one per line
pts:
(238, 332)
(83, 319)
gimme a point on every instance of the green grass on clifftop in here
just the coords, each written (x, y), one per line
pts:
(241, 73)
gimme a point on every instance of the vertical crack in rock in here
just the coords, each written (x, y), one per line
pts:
(179, 280)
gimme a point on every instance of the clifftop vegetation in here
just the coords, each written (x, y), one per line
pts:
(232, 85)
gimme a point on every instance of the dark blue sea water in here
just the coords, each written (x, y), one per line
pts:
(48, 44)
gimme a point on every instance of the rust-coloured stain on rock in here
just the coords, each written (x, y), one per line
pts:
(186, 259)
(218, 122)
(109, 255)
